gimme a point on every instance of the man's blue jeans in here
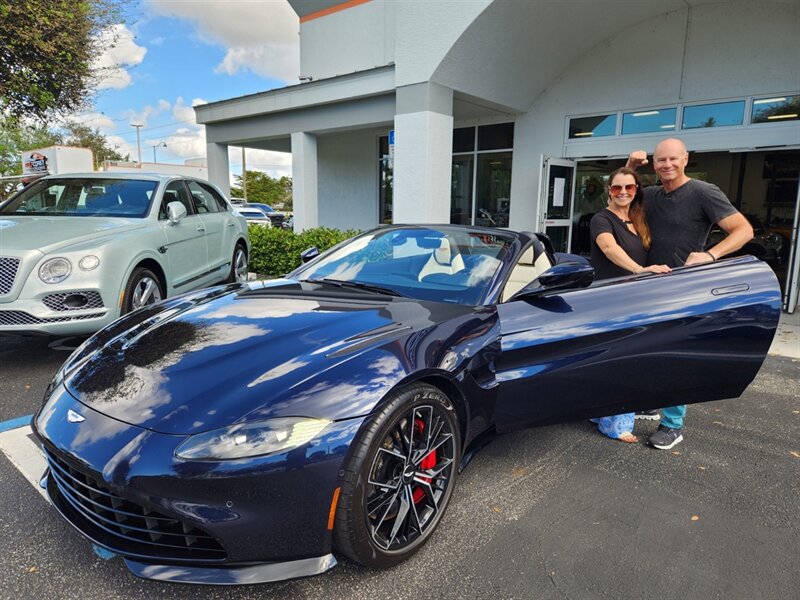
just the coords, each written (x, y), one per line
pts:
(672, 416)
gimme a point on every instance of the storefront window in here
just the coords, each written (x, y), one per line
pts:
(598, 126)
(493, 189)
(480, 187)
(385, 182)
(461, 190)
(721, 114)
(776, 110)
(649, 121)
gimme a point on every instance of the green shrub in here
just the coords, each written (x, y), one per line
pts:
(276, 251)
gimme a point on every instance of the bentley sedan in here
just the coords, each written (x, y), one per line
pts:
(252, 432)
(77, 251)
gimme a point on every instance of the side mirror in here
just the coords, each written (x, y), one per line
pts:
(309, 254)
(565, 276)
(175, 211)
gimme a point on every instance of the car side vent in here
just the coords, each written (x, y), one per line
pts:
(8, 271)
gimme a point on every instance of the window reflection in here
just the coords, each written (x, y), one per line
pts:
(493, 189)
(648, 121)
(461, 190)
(721, 114)
(776, 109)
(597, 126)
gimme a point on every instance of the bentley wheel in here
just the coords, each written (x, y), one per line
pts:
(143, 289)
(239, 267)
(399, 478)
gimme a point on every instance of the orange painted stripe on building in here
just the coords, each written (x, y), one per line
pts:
(332, 9)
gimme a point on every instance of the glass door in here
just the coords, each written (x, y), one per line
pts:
(557, 201)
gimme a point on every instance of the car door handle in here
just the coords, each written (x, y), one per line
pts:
(201, 228)
(231, 224)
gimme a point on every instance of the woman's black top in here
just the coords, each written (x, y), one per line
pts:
(607, 222)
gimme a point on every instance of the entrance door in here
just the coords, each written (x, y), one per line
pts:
(792, 288)
(557, 199)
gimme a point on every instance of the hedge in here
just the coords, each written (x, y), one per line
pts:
(276, 251)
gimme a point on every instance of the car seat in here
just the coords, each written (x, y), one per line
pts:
(534, 262)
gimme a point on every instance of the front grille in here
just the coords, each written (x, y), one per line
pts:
(84, 299)
(18, 317)
(8, 271)
(125, 526)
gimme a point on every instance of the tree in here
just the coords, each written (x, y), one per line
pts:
(84, 136)
(263, 188)
(46, 53)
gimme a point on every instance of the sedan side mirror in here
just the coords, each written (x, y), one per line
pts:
(175, 211)
(309, 254)
(565, 276)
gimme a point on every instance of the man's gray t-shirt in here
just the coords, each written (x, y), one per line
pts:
(679, 221)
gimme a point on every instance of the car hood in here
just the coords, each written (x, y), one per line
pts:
(49, 234)
(246, 353)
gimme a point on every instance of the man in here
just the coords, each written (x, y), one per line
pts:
(680, 214)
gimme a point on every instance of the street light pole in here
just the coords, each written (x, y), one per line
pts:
(162, 144)
(138, 141)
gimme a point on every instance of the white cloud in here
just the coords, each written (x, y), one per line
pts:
(183, 113)
(121, 53)
(259, 36)
(148, 111)
(95, 120)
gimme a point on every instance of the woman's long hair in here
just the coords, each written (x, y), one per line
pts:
(636, 208)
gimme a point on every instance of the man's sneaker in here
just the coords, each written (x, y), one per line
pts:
(649, 415)
(666, 438)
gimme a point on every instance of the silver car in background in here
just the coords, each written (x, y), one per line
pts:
(77, 251)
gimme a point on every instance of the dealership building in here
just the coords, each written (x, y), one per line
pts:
(511, 113)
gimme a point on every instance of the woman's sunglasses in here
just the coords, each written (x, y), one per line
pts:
(616, 189)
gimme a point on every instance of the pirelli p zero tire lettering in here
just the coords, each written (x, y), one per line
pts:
(399, 477)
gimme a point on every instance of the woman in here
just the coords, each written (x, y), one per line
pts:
(620, 240)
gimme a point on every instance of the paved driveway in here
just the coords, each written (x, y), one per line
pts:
(556, 512)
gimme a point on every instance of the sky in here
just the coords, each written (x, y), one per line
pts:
(171, 55)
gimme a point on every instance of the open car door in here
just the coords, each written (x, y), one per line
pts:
(697, 334)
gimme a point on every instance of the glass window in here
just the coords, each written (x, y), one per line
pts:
(175, 192)
(493, 189)
(203, 200)
(461, 189)
(221, 205)
(776, 109)
(721, 114)
(496, 137)
(385, 182)
(599, 126)
(464, 139)
(648, 121)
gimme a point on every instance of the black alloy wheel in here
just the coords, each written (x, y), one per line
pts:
(399, 478)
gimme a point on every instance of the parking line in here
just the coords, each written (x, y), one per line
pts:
(21, 449)
(14, 423)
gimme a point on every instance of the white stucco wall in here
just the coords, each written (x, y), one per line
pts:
(732, 50)
(348, 179)
(355, 39)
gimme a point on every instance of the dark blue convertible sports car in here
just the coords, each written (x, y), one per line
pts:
(243, 433)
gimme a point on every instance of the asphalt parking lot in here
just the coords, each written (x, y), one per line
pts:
(555, 512)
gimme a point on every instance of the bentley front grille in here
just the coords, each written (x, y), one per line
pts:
(8, 271)
(18, 317)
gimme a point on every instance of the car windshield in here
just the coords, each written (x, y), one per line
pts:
(84, 197)
(444, 264)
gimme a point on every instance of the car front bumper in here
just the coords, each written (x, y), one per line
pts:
(224, 522)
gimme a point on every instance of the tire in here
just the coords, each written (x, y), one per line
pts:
(394, 493)
(238, 273)
(143, 288)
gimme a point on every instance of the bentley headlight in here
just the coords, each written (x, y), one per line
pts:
(55, 270)
(251, 439)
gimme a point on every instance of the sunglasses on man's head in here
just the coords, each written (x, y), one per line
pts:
(616, 189)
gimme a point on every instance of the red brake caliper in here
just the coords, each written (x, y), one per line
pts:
(428, 462)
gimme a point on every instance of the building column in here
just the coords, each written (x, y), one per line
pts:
(304, 181)
(423, 153)
(218, 167)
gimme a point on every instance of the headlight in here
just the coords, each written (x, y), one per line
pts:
(55, 270)
(89, 263)
(251, 439)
